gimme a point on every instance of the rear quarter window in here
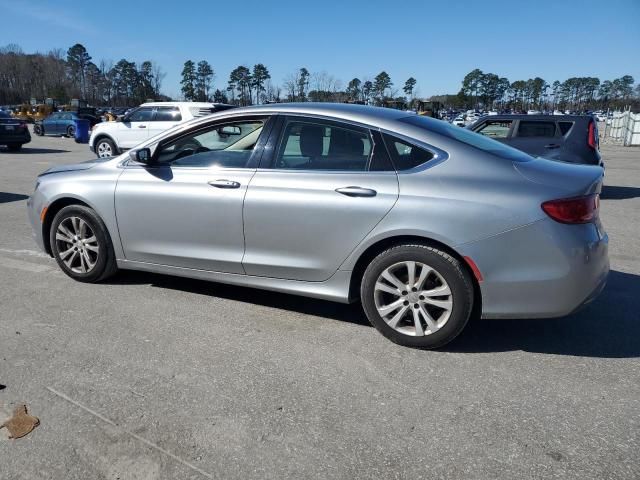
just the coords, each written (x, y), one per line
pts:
(565, 127)
(467, 137)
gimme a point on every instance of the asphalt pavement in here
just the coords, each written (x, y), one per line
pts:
(154, 377)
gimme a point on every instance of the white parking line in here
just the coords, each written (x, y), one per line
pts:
(30, 253)
(137, 437)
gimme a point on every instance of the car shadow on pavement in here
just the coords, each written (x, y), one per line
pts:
(610, 192)
(308, 306)
(27, 150)
(609, 327)
(6, 197)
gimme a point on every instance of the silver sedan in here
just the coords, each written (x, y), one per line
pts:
(428, 225)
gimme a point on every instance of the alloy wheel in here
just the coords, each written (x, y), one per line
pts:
(104, 150)
(77, 245)
(413, 298)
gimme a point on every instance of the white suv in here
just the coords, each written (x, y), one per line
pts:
(149, 119)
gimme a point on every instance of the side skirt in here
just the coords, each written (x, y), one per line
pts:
(335, 289)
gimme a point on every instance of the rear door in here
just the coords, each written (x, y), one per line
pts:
(322, 186)
(540, 138)
(50, 124)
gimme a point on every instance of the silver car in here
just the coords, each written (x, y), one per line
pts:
(425, 223)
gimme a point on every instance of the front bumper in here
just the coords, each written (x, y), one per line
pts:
(542, 270)
(35, 204)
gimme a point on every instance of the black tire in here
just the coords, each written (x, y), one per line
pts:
(105, 263)
(38, 130)
(14, 147)
(71, 131)
(448, 267)
(105, 141)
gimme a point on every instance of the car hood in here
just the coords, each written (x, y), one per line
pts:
(73, 167)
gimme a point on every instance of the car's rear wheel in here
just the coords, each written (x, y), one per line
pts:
(71, 131)
(417, 295)
(14, 147)
(38, 130)
(81, 244)
(105, 148)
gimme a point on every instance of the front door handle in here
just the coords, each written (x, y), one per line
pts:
(224, 184)
(552, 145)
(356, 191)
(142, 126)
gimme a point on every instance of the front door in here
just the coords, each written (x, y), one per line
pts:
(321, 194)
(134, 128)
(187, 210)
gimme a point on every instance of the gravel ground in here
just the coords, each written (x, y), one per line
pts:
(154, 377)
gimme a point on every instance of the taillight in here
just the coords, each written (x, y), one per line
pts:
(573, 210)
(592, 139)
(22, 125)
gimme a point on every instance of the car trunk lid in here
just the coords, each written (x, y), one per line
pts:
(570, 179)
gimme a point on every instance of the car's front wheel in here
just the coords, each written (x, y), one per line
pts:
(105, 148)
(81, 244)
(417, 295)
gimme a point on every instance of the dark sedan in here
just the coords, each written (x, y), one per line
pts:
(13, 132)
(57, 124)
(568, 138)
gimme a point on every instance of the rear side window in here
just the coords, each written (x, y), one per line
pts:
(168, 114)
(320, 146)
(495, 128)
(536, 129)
(404, 155)
(565, 127)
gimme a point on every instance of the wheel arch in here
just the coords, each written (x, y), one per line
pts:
(100, 136)
(383, 244)
(52, 211)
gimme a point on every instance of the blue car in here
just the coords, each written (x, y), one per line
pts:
(56, 124)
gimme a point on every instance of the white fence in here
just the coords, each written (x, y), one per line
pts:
(625, 127)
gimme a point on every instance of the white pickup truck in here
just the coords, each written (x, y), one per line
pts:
(112, 138)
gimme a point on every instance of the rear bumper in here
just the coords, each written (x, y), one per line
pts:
(542, 270)
(20, 138)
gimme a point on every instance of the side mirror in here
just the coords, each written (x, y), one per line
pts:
(229, 130)
(142, 155)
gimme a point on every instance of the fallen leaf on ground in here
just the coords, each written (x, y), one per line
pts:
(21, 423)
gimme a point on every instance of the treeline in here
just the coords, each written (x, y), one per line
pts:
(73, 74)
(490, 91)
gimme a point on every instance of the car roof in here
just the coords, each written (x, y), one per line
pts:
(535, 117)
(366, 114)
(180, 104)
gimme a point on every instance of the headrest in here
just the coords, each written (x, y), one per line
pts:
(311, 143)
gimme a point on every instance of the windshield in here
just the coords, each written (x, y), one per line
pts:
(467, 137)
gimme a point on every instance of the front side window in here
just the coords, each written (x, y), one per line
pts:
(495, 128)
(536, 129)
(323, 146)
(143, 114)
(224, 145)
(404, 155)
(168, 114)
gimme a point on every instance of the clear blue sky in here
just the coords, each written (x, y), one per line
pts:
(437, 42)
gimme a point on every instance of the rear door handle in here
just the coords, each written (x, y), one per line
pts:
(142, 126)
(224, 184)
(552, 145)
(356, 191)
